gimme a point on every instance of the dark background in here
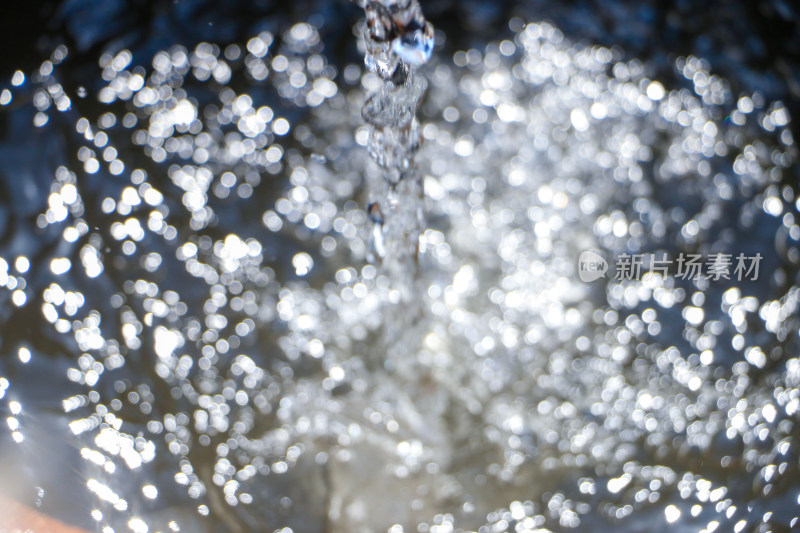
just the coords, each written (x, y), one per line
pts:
(755, 44)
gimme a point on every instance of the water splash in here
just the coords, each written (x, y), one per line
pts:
(248, 384)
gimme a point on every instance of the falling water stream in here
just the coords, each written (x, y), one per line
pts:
(272, 294)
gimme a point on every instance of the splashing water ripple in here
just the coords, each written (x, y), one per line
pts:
(250, 384)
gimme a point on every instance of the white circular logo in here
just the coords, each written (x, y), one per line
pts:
(591, 266)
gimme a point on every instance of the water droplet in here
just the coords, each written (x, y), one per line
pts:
(415, 47)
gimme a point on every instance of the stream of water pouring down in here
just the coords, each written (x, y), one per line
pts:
(397, 39)
(230, 359)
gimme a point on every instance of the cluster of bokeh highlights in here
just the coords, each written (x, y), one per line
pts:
(242, 377)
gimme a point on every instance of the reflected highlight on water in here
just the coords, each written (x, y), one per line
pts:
(204, 291)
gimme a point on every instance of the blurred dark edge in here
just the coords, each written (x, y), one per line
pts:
(754, 45)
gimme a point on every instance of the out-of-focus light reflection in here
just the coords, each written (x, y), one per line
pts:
(535, 148)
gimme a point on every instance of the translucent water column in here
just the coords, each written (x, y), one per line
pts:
(398, 39)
